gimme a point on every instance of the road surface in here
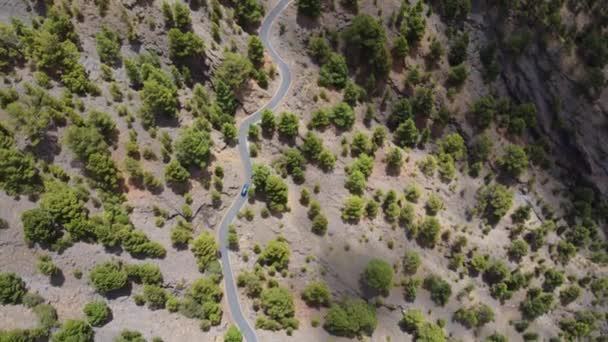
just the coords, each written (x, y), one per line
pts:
(285, 74)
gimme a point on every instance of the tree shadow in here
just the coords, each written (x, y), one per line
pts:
(123, 292)
(57, 279)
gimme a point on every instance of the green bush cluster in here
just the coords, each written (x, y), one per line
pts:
(413, 321)
(365, 41)
(279, 309)
(271, 186)
(440, 289)
(351, 317)
(108, 277)
(205, 249)
(378, 276)
(474, 317)
(108, 46)
(276, 254)
(98, 313)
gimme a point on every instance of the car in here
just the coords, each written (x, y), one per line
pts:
(244, 190)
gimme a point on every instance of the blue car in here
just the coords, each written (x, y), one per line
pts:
(244, 190)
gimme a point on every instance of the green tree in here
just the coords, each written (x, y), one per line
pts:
(401, 47)
(553, 280)
(311, 8)
(176, 173)
(38, 226)
(248, 12)
(318, 47)
(342, 116)
(98, 313)
(355, 182)
(233, 334)
(394, 159)
(514, 161)
(12, 289)
(155, 296)
(353, 208)
(316, 293)
(18, 173)
(184, 45)
(518, 249)
(276, 254)
(159, 95)
(411, 262)
(319, 224)
(494, 201)
(108, 276)
(255, 50)
(406, 134)
(277, 303)
(428, 232)
(474, 317)
(365, 40)
(288, 125)
(74, 330)
(453, 144)
(378, 275)
(205, 249)
(334, 72)
(351, 317)
(193, 147)
(440, 289)
(108, 45)
(268, 122)
(536, 304)
(276, 193)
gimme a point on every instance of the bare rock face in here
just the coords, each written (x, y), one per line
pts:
(574, 123)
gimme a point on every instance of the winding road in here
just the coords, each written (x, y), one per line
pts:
(230, 285)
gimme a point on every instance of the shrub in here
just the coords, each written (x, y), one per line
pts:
(12, 289)
(136, 242)
(107, 277)
(474, 317)
(311, 8)
(276, 193)
(277, 303)
(353, 208)
(18, 173)
(351, 317)
(411, 262)
(276, 254)
(428, 232)
(233, 334)
(355, 182)
(553, 280)
(316, 293)
(518, 250)
(205, 249)
(433, 204)
(248, 12)
(378, 275)
(45, 266)
(193, 148)
(176, 173)
(145, 273)
(38, 226)
(108, 45)
(514, 161)
(365, 40)
(569, 294)
(334, 72)
(440, 289)
(536, 304)
(342, 116)
(494, 201)
(318, 47)
(74, 330)
(288, 125)
(268, 122)
(98, 313)
(406, 134)
(129, 336)
(155, 296)
(319, 224)
(394, 159)
(184, 45)
(319, 119)
(255, 50)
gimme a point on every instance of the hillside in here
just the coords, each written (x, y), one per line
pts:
(430, 170)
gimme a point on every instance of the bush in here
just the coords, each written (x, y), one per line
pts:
(18, 173)
(108, 46)
(569, 294)
(440, 289)
(176, 173)
(351, 317)
(205, 249)
(276, 193)
(536, 304)
(137, 243)
(334, 72)
(129, 336)
(318, 47)
(316, 293)
(474, 317)
(98, 313)
(45, 266)
(494, 201)
(155, 296)
(268, 122)
(248, 12)
(12, 289)
(276, 254)
(277, 303)
(353, 208)
(378, 275)
(311, 8)
(255, 50)
(74, 330)
(38, 226)
(288, 125)
(365, 40)
(233, 334)
(184, 45)
(411, 262)
(107, 277)
(406, 134)
(145, 273)
(515, 160)
(193, 148)
(428, 232)
(458, 75)
(553, 280)
(342, 116)
(518, 250)
(319, 224)
(433, 204)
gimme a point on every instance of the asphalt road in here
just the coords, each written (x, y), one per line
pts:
(231, 292)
